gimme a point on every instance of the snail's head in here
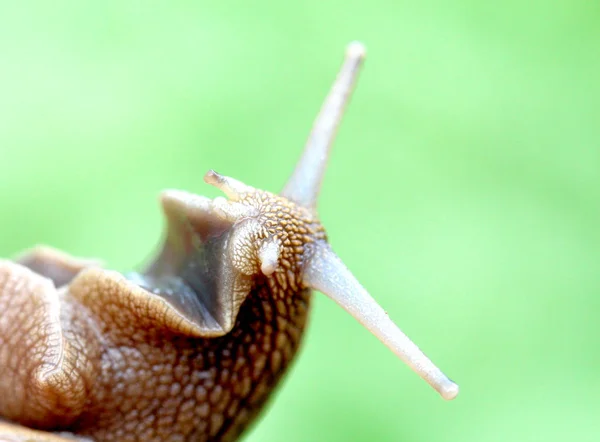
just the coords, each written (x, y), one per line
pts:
(253, 233)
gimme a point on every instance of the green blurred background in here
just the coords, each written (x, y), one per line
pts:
(464, 190)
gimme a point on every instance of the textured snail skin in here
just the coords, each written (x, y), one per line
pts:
(105, 358)
(191, 348)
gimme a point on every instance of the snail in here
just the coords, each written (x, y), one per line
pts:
(190, 348)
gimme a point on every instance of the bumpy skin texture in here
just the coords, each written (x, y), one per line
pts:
(189, 349)
(104, 358)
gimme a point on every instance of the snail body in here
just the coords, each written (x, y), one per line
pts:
(190, 348)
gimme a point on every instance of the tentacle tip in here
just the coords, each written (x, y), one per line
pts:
(231, 187)
(213, 178)
(449, 391)
(356, 50)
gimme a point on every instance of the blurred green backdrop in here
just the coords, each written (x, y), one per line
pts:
(464, 190)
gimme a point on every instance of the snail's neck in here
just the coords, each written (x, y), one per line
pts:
(247, 363)
(230, 377)
(267, 336)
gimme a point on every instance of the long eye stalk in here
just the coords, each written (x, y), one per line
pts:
(305, 183)
(326, 273)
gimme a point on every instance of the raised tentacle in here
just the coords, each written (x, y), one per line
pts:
(304, 185)
(234, 189)
(325, 272)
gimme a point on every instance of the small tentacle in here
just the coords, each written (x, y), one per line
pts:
(231, 187)
(304, 185)
(326, 273)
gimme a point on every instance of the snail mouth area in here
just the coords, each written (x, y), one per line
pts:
(195, 275)
(190, 299)
(215, 249)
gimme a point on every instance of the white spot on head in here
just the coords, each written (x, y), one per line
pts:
(269, 257)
